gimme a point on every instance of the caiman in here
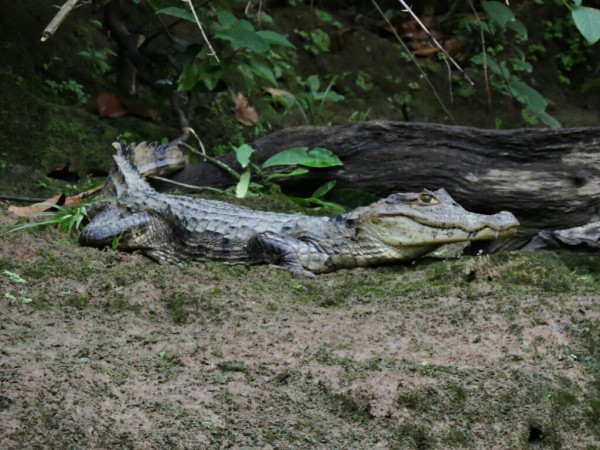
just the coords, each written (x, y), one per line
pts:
(178, 229)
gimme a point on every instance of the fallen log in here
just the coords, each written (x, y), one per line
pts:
(549, 178)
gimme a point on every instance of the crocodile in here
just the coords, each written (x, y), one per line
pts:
(177, 229)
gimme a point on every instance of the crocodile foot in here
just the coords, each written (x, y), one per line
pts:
(278, 250)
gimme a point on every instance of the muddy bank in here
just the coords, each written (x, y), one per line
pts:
(104, 349)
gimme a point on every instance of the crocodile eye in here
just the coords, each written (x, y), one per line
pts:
(426, 198)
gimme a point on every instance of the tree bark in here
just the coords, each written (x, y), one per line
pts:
(550, 179)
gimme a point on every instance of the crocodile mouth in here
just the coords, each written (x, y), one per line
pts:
(448, 232)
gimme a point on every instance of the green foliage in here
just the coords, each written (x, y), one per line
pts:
(71, 220)
(68, 87)
(242, 49)
(316, 40)
(575, 52)
(310, 104)
(317, 157)
(364, 81)
(98, 59)
(587, 21)
(507, 63)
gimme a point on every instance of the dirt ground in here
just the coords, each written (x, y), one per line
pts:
(108, 350)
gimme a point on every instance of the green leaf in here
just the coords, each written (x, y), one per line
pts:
(528, 95)
(155, 5)
(322, 15)
(243, 35)
(243, 154)
(273, 38)
(494, 66)
(14, 277)
(306, 202)
(498, 12)
(226, 19)
(518, 27)
(210, 75)
(547, 119)
(519, 64)
(587, 21)
(322, 190)
(313, 83)
(293, 173)
(180, 13)
(242, 187)
(189, 77)
(262, 70)
(328, 95)
(317, 157)
(535, 103)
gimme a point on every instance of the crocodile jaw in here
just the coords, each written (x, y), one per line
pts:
(405, 231)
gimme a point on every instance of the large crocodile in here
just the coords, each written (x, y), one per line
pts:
(175, 229)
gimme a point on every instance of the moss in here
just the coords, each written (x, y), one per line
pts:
(538, 271)
(233, 366)
(413, 435)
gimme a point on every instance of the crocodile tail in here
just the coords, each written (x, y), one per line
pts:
(125, 177)
(143, 160)
(154, 159)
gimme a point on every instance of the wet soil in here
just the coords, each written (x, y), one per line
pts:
(100, 349)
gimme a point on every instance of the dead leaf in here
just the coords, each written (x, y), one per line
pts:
(77, 199)
(244, 113)
(27, 211)
(426, 52)
(454, 46)
(108, 105)
(278, 92)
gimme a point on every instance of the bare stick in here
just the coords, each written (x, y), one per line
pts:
(58, 19)
(193, 133)
(12, 198)
(215, 161)
(212, 50)
(484, 52)
(415, 62)
(408, 9)
(187, 186)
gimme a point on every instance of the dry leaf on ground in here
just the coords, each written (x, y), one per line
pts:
(244, 113)
(27, 211)
(109, 105)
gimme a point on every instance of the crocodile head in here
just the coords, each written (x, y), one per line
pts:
(424, 221)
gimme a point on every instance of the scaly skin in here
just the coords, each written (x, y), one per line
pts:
(176, 229)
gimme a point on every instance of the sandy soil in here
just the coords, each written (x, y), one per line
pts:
(109, 350)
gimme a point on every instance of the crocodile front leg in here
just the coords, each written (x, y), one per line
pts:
(283, 251)
(138, 231)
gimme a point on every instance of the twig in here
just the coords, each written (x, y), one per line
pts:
(175, 23)
(11, 198)
(415, 62)
(409, 10)
(212, 50)
(215, 161)
(193, 133)
(58, 19)
(484, 52)
(187, 186)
